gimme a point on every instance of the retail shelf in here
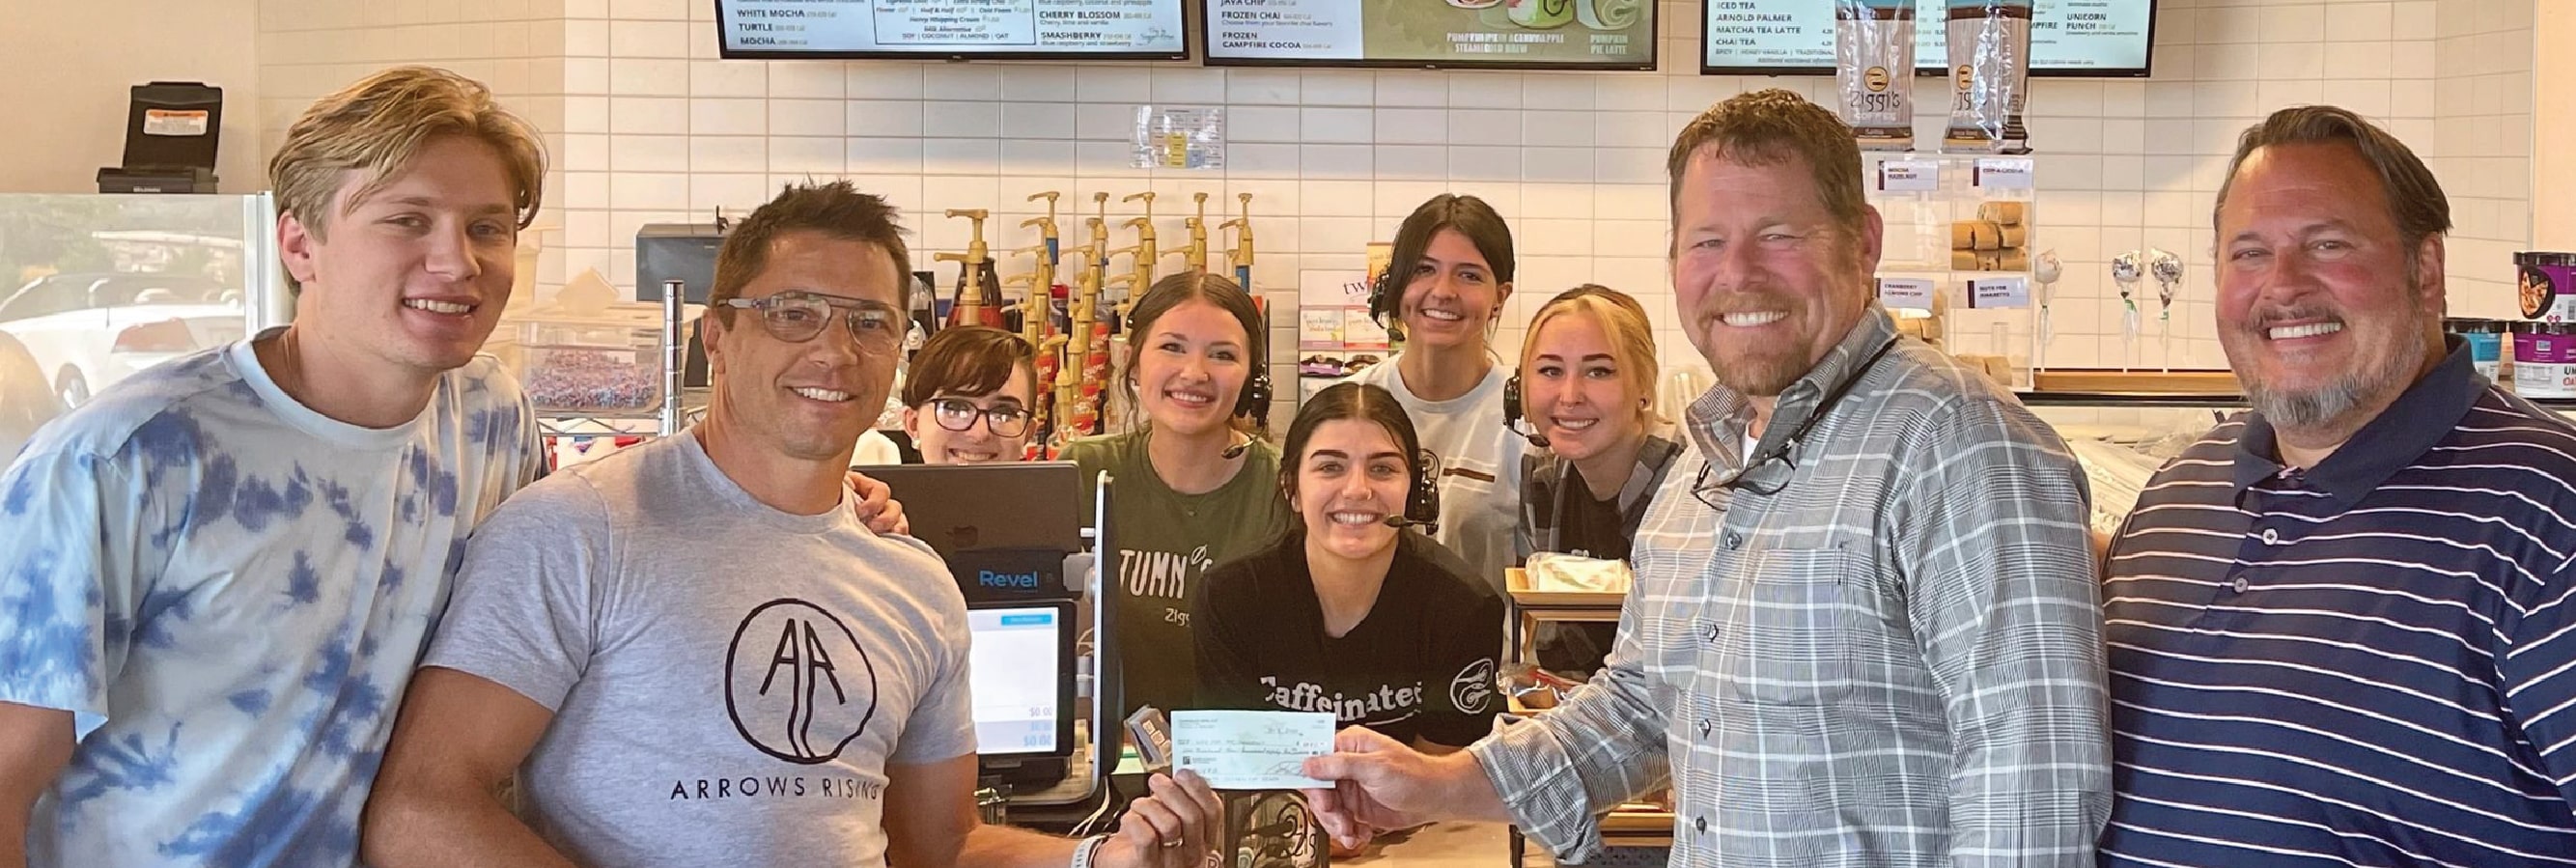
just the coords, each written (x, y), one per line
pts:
(676, 409)
(2216, 389)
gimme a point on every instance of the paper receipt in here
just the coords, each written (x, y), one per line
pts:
(1251, 750)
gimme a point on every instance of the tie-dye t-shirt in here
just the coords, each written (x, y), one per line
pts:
(229, 591)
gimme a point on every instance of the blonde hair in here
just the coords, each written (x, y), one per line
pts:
(1623, 321)
(380, 123)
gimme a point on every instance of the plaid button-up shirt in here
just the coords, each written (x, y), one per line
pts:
(1892, 660)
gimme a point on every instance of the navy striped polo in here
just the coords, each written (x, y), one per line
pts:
(2371, 662)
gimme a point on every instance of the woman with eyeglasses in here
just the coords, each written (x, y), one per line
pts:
(1191, 488)
(1587, 380)
(967, 399)
(1450, 275)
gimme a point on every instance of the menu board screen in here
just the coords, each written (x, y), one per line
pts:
(1793, 37)
(1527, 34)
(995, 29)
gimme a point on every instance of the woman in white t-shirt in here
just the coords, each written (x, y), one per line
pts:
(1451, 273)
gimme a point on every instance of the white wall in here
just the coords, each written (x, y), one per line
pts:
(2553, 170)
(2482, 149)
(658, 129)
(647, 126)
(308, 48)
(66, 69)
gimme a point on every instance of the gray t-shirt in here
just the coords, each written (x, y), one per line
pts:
(729, 681)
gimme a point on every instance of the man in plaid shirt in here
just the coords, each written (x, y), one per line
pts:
(1864, 630)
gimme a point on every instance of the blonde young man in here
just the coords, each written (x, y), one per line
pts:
(216, 577)
(220, 572)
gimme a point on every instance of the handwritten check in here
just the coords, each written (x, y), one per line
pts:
(1251, 750)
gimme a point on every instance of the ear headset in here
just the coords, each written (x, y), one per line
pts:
(1255, 398)
(1512, 412)
(1256, 391)
(1422, 499)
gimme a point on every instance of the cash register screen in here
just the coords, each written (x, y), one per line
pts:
(1018, 677)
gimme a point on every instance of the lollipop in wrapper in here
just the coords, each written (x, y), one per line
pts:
(2127, 270)
(2046, 269)
(2168, 271)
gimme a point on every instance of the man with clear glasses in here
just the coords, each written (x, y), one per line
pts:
(691, 653)
(1866, 634)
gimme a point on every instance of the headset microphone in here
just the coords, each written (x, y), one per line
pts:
(1400, 522)
(1512, 413)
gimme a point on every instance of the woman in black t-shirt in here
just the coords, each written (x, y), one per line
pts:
(1347, 612)
(1586, 387)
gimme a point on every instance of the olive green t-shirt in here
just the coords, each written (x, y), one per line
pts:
(1165, 542)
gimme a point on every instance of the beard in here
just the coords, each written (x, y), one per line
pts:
(2311, 408)
(1765, 375)
(2330, 405)
(1765, 371)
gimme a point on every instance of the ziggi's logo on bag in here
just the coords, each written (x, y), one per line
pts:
(797, 683)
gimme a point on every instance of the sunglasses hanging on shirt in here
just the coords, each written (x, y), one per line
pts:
(1771, 473)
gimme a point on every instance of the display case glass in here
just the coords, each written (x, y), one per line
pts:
(2123, 427)
(94, 288)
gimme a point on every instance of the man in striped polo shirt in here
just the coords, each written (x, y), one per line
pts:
(2339, 626)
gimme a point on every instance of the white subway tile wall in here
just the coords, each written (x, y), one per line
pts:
(524, 51)
(648, 125)
(2479, 142)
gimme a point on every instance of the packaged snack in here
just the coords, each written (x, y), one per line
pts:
(1989, 76)
(1874, 65)
(2548, 285)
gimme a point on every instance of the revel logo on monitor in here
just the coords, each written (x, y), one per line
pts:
(1002, 581)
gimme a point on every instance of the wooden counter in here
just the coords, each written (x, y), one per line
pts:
(1463, 845)
(1448, 845)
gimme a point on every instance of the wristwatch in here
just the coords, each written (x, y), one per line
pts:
(1084, 849)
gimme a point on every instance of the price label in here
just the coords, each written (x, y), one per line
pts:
(1909, 176)
(174, 122)
(2004, 173)
(1906, 293)
(1999, 293)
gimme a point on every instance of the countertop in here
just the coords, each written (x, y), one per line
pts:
(1449, 845)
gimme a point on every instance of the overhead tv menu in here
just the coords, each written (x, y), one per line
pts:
(1601, 34)
(2068, 37)
(998, 28)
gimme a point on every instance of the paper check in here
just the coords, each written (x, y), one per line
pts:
(1251, 750)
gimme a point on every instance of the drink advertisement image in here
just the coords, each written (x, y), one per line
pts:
(1597, 34)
